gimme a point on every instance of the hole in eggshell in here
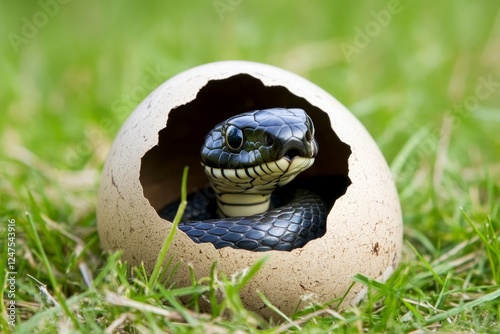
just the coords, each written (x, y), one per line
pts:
(180, 141)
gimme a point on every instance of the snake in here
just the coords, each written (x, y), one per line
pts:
(250, 160)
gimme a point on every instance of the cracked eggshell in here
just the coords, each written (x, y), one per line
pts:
(144, 169)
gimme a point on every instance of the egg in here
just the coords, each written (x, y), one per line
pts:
(165, 132)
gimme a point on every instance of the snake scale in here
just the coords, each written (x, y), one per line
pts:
(246, 158)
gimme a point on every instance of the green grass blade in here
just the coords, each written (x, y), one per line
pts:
(215, 306)
(247, 275)
(466, 306)
(426, 264)
(277, 310)
(491, 243)
(414, 311)
(163, 252)
(369, 282)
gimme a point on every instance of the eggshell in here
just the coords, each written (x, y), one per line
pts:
(164, 133)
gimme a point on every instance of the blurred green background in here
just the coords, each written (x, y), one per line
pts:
(65, 75)
(72, 71)
(422, 76)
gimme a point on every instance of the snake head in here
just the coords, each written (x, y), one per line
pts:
(257, 151)
(262, 136)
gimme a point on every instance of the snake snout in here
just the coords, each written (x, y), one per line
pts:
(296, 148)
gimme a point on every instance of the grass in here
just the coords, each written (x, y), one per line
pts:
(419, 85)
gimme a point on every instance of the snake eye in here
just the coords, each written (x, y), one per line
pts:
(234, 138)
(310, 129)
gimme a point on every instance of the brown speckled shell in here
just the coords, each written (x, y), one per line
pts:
(144, 168)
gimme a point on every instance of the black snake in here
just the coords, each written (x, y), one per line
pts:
(246, 158)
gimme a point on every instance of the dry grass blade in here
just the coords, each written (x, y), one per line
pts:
(43, 290)
(112, 328)
(296, 323)
(455, 250)
(118, 300)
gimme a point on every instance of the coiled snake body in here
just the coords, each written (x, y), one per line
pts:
(246, 158)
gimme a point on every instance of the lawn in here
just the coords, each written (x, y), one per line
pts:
(422, 76)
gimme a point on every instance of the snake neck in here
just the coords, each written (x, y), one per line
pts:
(247, 191)
(238, 205)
